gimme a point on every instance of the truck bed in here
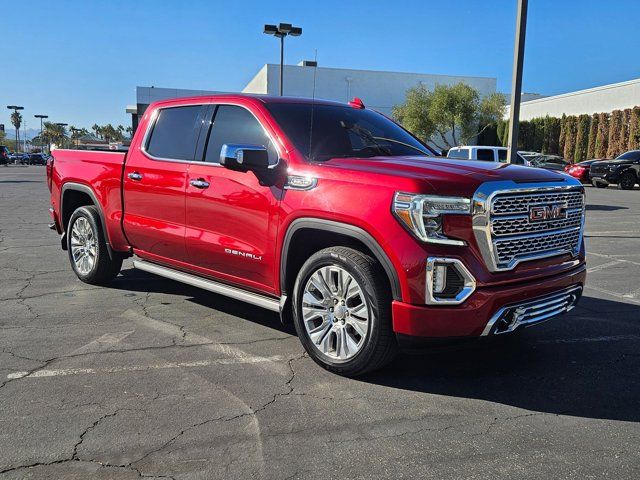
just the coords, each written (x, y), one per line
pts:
(100, 172)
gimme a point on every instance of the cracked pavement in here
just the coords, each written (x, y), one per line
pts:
(152, 379)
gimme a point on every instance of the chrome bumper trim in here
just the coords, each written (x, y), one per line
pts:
(531, 312)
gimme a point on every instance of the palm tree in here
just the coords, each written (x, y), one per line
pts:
(54, 134)
(96, 130)
(16, 121)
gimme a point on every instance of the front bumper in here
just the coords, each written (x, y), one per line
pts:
(471, 318)
(605, 178)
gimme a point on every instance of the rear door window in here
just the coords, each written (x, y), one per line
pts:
(485, 154)
(175, 133)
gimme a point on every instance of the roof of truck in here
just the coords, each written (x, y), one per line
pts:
(261, 98)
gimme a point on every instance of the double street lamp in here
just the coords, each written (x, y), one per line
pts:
(15, 109)
(41, 117)
(280, 31)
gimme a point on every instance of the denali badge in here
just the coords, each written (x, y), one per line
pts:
(548, 212)
(240, 253)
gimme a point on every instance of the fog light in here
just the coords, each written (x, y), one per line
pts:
(448, 281)
(439, 277)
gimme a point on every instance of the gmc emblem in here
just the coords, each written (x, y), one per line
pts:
(547, 212)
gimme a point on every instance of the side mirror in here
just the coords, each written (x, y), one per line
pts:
(244, 158)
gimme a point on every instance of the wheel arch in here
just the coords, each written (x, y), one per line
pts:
(74, 195)
(327, 232)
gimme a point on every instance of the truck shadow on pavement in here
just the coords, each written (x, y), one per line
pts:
(584, 364)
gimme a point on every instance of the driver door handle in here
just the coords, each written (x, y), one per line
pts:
(135, 176)
(200, 183)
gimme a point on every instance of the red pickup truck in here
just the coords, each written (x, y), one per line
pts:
(330, 214)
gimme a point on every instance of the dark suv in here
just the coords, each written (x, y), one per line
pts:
(4, 155)
(624, 171)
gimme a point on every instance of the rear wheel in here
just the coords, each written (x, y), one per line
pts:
(627, 181)
(599, 184)
(87, 247)
(342, 311)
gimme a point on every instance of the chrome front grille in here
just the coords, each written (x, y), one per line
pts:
(515, 224)
(509, 318)
(520, 224)
(508, 204)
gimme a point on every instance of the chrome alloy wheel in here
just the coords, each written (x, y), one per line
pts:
(335, 312)
(83, 246)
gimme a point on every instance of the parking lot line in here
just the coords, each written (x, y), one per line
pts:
(603, 266)
(142, 368)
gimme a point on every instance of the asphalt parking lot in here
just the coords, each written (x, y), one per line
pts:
(151, 378)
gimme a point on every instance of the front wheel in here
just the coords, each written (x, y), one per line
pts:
(87, 247)
(342, 311)
(627, 181)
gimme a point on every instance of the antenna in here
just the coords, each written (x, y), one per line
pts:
(313, 100)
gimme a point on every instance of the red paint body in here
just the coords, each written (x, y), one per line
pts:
(164, 219)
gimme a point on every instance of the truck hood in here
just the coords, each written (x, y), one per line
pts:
(447, 176)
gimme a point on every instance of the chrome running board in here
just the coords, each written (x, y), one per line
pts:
(206, 284)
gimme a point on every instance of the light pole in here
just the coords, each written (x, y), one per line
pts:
(41, 117)
(516, 80)
(280, 31)
(62, 135)
(15, 109)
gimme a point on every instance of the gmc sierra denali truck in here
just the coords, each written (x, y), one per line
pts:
(330, 214)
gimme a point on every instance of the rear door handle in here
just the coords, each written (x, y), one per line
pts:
(200, 183)
(135, 176)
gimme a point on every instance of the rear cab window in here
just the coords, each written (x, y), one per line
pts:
(458, 153)
(175, 133)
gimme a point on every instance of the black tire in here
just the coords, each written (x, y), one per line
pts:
(599, 184)
(379, 346)
(105, 268)
(627, 181)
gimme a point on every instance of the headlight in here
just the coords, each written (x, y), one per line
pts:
(422, 214)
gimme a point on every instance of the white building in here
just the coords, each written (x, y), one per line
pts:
(616, 96)
(378, 89)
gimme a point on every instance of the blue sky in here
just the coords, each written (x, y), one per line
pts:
(79, 61)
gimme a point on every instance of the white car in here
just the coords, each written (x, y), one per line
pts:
(484, 153)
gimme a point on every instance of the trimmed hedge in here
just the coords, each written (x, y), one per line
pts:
(574, 137)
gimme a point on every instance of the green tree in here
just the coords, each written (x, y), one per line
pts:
(455, 113)
(593, 132)
(634, 129)
(582, 139)
(570, 129)
(562, 135)
(413, 114)
(16, 121)
(54, 133)
(602, 137)
(615, 146)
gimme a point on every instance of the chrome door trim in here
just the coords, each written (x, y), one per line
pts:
(263, 301)
(154, 117)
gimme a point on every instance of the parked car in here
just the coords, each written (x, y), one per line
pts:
(624, 171)
(483, 153)
(37, 159)
(330, 214)
(580, 170)
(548, 162)
(4, 155)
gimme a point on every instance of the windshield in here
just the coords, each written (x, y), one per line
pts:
(631, 155)
(341, 131)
